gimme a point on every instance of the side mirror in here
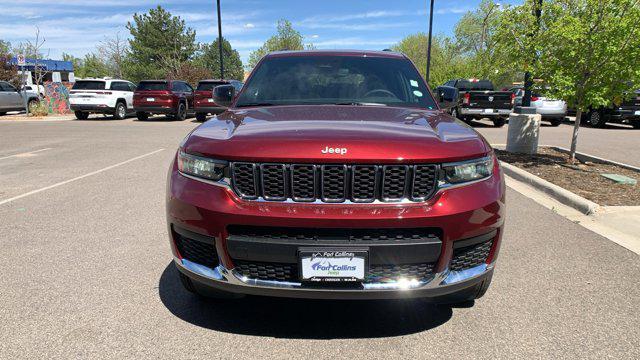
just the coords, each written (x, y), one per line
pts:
(447, 96)
(223, 95)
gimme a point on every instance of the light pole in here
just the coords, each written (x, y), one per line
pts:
(220, 42)
(429, 44)
(528, 81)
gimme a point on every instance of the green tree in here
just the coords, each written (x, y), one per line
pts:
(446, 61)
(476, 38)
(209, 58)
(157, 37)
(92, 66)
(5, 47)
(77, 62)
(8, 71)
(286, 38)
(586, 51)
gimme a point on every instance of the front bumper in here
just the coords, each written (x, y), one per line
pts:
(461, 213)
(441, 285)
(484, 112)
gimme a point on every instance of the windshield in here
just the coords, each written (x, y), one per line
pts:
(311, 80)
(89, 85)
(152, 85)
(208, 86)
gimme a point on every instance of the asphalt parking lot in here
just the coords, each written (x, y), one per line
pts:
(88, 269)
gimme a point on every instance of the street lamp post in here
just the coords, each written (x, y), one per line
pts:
(528, 80)
(220, 42)
(429, 44)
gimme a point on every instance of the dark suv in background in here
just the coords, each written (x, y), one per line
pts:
(203, 101)
(476, 99)
(173, 98)
(627, 111)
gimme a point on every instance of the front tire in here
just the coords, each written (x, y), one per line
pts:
(635, 124)
(596, 119)
(82, 115)
(121, 111)
(499, 122)
(201, 117)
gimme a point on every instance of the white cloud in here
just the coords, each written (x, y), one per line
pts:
(249, 26)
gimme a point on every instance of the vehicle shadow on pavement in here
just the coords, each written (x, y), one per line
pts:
(300, 318)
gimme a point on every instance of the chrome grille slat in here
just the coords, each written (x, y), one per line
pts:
(334, 183)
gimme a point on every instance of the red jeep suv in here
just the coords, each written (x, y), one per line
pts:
(203, 100)
(335, 175)
(172, 98)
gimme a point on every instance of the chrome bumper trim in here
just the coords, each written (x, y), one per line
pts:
(224, 275)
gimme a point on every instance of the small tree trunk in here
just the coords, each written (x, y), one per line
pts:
(574, 139)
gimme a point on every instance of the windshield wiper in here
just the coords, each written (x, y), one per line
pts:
(255, 104)
(358, 103)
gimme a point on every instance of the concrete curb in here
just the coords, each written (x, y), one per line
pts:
(562, 195)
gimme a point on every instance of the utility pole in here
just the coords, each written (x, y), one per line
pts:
(220, 42)
(528, 81)
(429, 44)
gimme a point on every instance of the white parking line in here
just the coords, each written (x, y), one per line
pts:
(2, 202)
(24, 154)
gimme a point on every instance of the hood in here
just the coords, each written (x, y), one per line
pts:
(335, 134)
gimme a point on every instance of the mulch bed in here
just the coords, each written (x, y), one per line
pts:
(582, 178)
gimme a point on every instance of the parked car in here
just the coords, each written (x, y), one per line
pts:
(203, 101)
(173, 98)
(333, 174)
(11, 99)
(477, 99)
(102, 96)
(626, 112)
(551, 110)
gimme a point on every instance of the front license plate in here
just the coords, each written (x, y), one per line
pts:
(151, 99)
(637, 112)
(488, 111)
(333, 265)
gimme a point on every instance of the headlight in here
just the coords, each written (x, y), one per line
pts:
(455, 173)
(201, 167)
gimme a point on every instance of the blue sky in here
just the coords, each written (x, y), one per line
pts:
(77, 26)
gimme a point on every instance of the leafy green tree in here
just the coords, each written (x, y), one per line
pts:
(8, 71)
(5, 47)
(446, 61)
(586, 51)
(208, 57)
(77, 62)
(92, 66)
(475, 36)
(157, 37)
(286, 38)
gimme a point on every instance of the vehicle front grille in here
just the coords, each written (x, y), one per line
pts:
(470, 256)
(196, 251)
(266, 233)
(377, 273)
(334, 183)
